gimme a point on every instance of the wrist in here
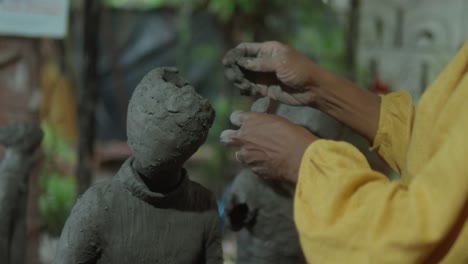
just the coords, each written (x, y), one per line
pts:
(357, 108)
(322, 84)
(298, 156)
(316, 76)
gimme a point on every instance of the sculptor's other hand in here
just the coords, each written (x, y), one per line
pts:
(270, 145)
(296, 76)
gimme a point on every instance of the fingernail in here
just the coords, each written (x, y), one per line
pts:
(244, 85)
(225, 137)
(243, 62)
(236, 118)
(230, 74)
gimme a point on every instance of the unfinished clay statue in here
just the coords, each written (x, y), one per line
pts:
(261, 214)
(21, 141)
(150, 212)
(262, 211)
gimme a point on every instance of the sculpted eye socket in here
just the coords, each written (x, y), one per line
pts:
(174, 78)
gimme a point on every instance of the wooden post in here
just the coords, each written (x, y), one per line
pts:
(87, 96)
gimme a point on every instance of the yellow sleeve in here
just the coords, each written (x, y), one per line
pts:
(393, 134)
(347, 213)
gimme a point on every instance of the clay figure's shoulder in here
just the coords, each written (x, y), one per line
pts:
(200, 197)
(98, 190)
(96, 198)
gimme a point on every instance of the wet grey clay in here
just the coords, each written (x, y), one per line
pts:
(150, 212)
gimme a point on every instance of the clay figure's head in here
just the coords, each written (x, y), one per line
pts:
(21, 136)
(167, 121)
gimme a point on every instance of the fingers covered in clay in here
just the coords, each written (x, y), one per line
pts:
(275, 70)
(229, 137)
(232, 62)
(258, 64)
(237, 117)
(248, 58)
(270, 145)
(235, 75)
(261, 105)
(242, 50)
(249, 49)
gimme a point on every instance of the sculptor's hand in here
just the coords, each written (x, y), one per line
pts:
(295, 75)
(270, 145)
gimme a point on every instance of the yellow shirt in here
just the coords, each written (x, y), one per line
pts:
(347, 213)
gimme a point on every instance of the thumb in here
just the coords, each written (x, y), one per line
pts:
(261, 105)
(257, 64)
(237, 118)
(229, 137)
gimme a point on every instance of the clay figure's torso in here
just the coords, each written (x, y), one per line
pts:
(139, 226)
(269, 235)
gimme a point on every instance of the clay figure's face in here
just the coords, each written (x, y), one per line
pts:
(167, 120)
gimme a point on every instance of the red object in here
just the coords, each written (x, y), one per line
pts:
(380, 87)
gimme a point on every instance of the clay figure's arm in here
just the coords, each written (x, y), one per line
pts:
(80, 241)
(213, 248)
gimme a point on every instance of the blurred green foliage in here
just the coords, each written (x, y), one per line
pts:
(311, 26)
(53, 145)
(57, 188)
(225, 9)
(141, 4)
(56, 200)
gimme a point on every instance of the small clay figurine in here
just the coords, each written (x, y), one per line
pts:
(261, 211)
(261, 214)
(150, 212)
(21, 140)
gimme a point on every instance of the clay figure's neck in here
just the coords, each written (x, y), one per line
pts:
(163, 182)
(160, 181)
